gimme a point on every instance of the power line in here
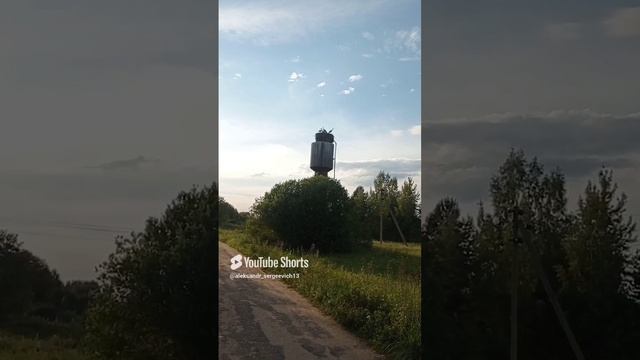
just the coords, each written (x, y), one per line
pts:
(69, 225)
(49, 235)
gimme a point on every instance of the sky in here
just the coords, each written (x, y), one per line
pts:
(288, 68)
(107, 112)
(108, 108)
(559, 80)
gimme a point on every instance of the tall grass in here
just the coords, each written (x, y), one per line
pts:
(373, 292)
(14, 347)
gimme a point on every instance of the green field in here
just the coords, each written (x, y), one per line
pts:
(373, 292)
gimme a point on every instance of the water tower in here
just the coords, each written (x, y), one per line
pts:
(323, 153)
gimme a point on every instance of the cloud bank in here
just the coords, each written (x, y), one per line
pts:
(460, 155)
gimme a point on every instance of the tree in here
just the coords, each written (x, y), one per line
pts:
(363, 215)
(522, 186)
(449, 258)
(385, 198)
(157, 290)
(303, 214)
(408, 210)
(598, 249)
(585, 255)
(27, 282)
(77, 296)
(229, 216)
(596, 278)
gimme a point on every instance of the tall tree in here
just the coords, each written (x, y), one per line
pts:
(599, 248)
(386, 197)
(594, 277)
(363, 214)
(448, 262)
(408, 209)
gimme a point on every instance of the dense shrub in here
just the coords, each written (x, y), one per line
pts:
(312, 213)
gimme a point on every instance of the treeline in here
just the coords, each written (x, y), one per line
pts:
(317, 213)
(380, 201)
(230, 217)
(33, 299)
(586, 254)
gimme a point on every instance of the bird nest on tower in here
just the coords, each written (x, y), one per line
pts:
(324, 135)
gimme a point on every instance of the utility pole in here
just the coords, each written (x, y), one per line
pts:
(515, 272)
(553, 299)
(395, 221)
(380, 199)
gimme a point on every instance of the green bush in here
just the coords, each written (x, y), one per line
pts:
(157, 290)
(312, 213)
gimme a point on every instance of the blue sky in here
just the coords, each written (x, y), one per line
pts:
(287, 68)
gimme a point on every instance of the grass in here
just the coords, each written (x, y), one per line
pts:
(373, 292)
(16, 347)
(29, 338)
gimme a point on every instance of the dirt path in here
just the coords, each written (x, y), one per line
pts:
(264, 319)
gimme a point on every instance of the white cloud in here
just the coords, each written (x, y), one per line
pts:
(354, 78)
(563, 31)
(368, 56)
(412, 90)
(343, 48)
(410, 39)
(405, 43)
(623, 22)
(321, 84)
(295, 76)
(396, 133)
(237, 76)
(269, 22)
(367, 35)
(348, 91)
(296, 59)
(415, 130)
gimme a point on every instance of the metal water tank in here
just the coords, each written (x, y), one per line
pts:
(322, 153)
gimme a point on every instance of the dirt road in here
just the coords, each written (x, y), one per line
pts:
(264, 319)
